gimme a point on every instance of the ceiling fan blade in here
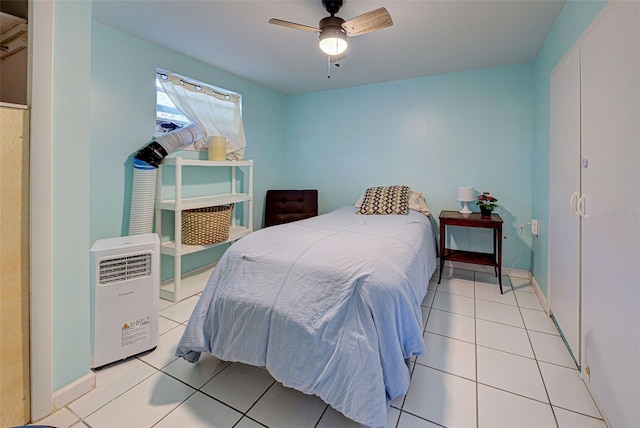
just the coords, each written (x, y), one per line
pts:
(293, 25)
(367, 22)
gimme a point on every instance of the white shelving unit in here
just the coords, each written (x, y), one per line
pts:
(176, 290)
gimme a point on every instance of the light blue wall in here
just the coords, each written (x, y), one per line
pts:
(123, 102)
(574, 18)
(70, 187)
(104, 111)
(433, 133)
(474, 128)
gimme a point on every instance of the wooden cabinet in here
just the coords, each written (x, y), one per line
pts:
(235, 190)
(455, 218)
(595, 114)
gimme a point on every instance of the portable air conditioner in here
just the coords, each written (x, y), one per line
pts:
(125, 275)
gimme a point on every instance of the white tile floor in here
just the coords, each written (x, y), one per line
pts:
(492, 361)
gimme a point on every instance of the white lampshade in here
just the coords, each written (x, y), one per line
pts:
(333, 41)
(466, 194)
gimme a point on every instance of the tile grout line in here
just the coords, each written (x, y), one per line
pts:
(580, 413)
(321, 415)
(412, 369)
(448, 337)
(446, 372)
(256, 402)
(514, 393)
(80, 419)
(486, 347)
(195, 391)
(424, 330)
(244, 414)
(422, 418)
(544, 384)
(475, 349)
(115, 397)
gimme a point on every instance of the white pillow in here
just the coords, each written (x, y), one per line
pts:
(416, 203)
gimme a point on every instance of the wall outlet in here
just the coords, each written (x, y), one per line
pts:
(534, 227)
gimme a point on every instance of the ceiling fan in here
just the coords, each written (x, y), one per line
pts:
(334, 30)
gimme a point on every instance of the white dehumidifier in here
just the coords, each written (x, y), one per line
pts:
(125, 292)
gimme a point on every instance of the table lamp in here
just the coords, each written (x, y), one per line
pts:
(466, 194)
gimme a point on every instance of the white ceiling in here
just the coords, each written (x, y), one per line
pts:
(428, 37)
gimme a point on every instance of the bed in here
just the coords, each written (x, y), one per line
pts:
(329, 306)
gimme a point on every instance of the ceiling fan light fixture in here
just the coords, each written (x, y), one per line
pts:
(333, 41)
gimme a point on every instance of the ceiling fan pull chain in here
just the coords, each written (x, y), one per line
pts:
(328, 67)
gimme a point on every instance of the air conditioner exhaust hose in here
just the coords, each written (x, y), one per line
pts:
(145, 172)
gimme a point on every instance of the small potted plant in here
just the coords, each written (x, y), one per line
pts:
(487, 204)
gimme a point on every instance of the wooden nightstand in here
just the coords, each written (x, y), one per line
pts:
(455, 218)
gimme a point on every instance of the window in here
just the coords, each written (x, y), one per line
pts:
(168, 117)
(216, 112)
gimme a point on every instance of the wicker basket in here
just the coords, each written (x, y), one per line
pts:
(209, 225)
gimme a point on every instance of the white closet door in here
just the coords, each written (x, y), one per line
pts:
(564, 192)
(611, 227)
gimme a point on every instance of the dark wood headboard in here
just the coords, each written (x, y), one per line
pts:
(285, 206)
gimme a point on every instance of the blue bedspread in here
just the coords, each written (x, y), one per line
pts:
(329, 305)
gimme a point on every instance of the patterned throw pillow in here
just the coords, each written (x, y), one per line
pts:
(385, 200)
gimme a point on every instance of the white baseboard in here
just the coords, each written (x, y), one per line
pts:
(74, 390)
(585, 381)
(541, 297)
(517, 273)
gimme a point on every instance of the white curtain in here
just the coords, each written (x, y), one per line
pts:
(218, 114)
